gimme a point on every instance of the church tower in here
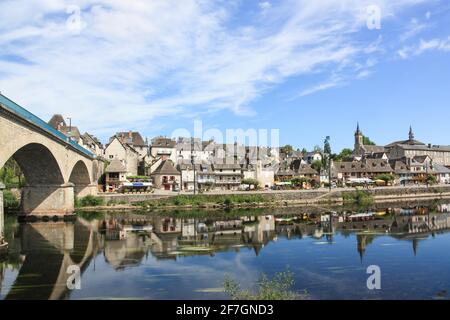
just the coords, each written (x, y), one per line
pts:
(359, 141)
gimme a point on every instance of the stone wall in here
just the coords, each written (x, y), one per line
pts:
(308, 196)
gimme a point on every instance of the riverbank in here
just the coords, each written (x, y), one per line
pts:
(266, 199)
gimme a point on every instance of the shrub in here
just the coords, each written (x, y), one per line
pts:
(89, 201)
(250, 182)
(432, 180)
(358, 197)
(10, 201)
(278, 288)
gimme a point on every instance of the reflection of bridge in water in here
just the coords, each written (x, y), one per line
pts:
(49, 249)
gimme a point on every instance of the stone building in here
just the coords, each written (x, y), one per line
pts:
(166, 176)
(116, 149)
(366, 168)
(228, 176)
(161, 149)
(116, 175)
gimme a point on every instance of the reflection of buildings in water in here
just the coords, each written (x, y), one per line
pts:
(363, 241)
(165, 236)
(127, 252)
(292, 230)
(173, 237)
(260, 232)
(167, 225)
(444, 208)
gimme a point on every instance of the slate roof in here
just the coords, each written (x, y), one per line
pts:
(135, 140)
(374, 149)
(305, 169)
(88, 139)
(425, 147)
(366, 166)
(163, 142)
(409, 142)
(57, 120)
(166, 167)
(438, 168)
(115, 166)
(400, 167)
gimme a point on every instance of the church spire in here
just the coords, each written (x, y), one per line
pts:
(358, 130)
(411, 133)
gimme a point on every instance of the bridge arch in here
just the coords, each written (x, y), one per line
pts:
(38, 165)
(44, 190)
(81, 178)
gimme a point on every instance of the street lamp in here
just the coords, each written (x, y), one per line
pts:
(193, 164)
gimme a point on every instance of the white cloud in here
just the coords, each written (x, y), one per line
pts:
(424, 46)
(333, 82)
(135, 62)
(265, 5)
(414, 28)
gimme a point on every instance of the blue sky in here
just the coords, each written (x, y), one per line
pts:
(308, 68)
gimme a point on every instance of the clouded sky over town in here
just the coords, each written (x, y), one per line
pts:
(308, 68)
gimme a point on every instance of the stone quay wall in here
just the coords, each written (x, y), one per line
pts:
(310, 196)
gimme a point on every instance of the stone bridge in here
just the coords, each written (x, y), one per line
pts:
(56, 169)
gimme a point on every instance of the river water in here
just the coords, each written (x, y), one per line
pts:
(186, 255)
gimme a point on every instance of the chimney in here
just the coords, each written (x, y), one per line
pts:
(130, 134)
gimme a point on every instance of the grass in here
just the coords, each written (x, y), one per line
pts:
(199, 200)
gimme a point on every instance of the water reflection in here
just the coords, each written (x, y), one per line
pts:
(40, 253)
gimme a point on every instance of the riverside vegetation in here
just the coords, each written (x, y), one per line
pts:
(201, 200)
(359, 197)
(277, 288)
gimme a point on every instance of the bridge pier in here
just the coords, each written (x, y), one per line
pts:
(48, 200)
(85, 190)
(3, 244)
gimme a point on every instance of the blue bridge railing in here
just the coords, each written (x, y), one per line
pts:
(25, 114)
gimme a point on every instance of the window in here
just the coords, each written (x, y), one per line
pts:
(111, 156)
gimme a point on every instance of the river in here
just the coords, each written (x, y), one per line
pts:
(186, 255)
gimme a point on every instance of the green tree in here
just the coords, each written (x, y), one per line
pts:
(11, 174)
(288, 148)
(431, 179)
(317, 165)
(318, 149)
(368, 142)
(250, 182)
(385, 177)
(298, 182)
(304, 151)
(344, 154)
